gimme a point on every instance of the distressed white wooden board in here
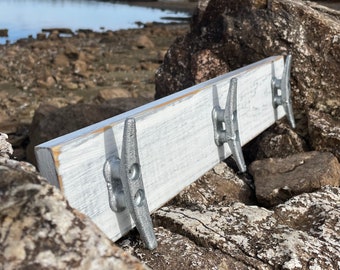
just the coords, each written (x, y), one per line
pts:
(175, 139)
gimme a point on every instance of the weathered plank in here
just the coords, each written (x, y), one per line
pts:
(175, 138)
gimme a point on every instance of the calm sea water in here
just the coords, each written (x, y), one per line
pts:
(27, 17)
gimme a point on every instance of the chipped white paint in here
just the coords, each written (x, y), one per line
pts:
(175, 138)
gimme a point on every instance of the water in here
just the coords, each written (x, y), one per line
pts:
(27, 17)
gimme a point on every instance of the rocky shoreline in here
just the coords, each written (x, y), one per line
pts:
(88, 67)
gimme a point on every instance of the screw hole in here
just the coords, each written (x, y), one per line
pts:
(134, 172)
(139, 197)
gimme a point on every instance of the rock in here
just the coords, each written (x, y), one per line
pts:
(279, 141)
(6, 149)
(143, 42)
(71, 52)
(90, 84)
(61, 60)
(70, 85)
(48, 83)
(160, 56)
(39, 229)
(176, 251)
(53, 35)
(2, 68)
(218, 186)
(27, 69)
(81, 35)
(50, 122)
(324, 132)
(86, 32)
(203, 59)
(41, 36)
(232, 35)
(147, 65)
(80, 67)
(302, 233)
(111, 93)
(65, 31)
(277, 180)
(7, 126)
(3, 32)
(30, 61)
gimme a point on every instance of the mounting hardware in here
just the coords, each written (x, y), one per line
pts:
(125, 185)
(229, 133)
(283, 85)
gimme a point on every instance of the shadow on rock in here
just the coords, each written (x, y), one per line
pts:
(50, 122)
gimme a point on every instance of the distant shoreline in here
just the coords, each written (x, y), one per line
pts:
(174, 5)
(189, 6)
(169, 12)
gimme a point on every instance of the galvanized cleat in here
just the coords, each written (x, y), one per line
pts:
(229, 134)
(125, 185)
(284, 97)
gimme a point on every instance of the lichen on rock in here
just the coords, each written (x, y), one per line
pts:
(6, 149)
(300, 234)
(39, 229)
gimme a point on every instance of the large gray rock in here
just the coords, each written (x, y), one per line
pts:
(279, 179)
(303, 233)
(39, 229)
(228, 34)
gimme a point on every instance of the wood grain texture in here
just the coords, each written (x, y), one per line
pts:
(175, 138)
